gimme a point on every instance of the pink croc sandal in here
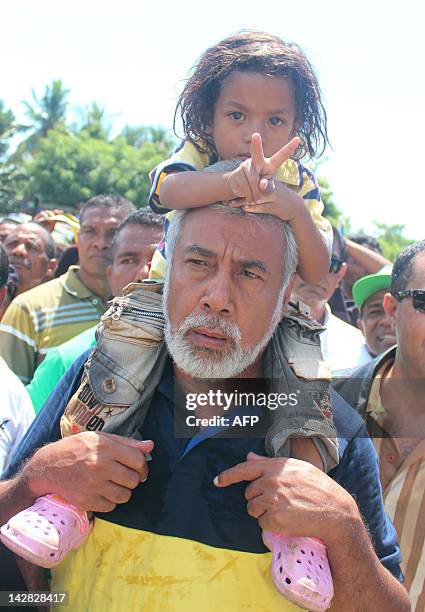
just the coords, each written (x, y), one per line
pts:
(44, 533)
(300, 570)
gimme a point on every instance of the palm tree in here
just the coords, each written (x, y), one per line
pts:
(95, 122)
(45, 114)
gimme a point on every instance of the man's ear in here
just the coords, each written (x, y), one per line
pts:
(50, 272)
(109, 273)
(390, 306)
(343, 271)
(289, 290)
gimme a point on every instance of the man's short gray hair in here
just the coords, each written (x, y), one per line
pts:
(290, 255)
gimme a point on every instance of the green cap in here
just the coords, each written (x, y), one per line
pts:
(365, 286)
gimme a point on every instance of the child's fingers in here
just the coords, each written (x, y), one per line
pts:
(253, 179)
(236, 202)
(283, 154)
(257, 208)
(257, 153)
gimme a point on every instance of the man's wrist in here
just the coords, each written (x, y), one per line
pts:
(347, 535)
(31, 481)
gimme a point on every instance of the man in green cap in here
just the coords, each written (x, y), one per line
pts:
(374, 322)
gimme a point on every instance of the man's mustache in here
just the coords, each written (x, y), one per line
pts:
(20, 262)
(213, 322)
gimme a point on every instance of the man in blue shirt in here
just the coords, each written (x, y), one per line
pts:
(194, 524)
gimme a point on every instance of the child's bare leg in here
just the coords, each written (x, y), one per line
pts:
(305, 449)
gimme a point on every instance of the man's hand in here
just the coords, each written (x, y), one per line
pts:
(293, 497)
(254, 177)
(95, 471)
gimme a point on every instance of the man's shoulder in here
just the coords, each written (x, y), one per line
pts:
(42, 296)
(347, 421)
(353, 384)
(70, 350)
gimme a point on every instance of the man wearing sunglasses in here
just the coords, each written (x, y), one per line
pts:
(389, 393)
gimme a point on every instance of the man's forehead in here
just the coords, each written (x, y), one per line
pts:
(417, 278)
(137, 238)
(375, 299)
(28, 232)
(105, 215)
(220, 232)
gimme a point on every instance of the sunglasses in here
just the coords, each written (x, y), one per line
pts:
(336, 264)
(418, 296)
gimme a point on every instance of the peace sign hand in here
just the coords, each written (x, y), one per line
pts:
(267, 167)
(254, 178)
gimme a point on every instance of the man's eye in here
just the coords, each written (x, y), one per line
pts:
(249, 274)
(276, 121)
(198, 262)
(128, 261)
(236, 115)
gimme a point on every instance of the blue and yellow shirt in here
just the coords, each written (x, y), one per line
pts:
(181, 544)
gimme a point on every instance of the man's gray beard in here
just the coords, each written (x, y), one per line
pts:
(202, 362)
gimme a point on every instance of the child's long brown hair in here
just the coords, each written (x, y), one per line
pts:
(256, 52)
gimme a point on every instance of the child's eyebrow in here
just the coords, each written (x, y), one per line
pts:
(242, 107)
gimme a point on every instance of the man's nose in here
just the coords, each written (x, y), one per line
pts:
(386, 320)
(102, 242)
(218, 296)
(20, 250)
(142, 271)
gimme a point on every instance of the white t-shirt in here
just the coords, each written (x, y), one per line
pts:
(342, 345)
(16, 413)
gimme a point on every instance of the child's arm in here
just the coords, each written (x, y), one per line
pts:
(313, 254)
(197, 188)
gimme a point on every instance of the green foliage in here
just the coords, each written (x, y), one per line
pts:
(391, 239)
(137, 136)
(7, 128)
(95, 123)
(46, 113)
(12, 186)
(70, 168)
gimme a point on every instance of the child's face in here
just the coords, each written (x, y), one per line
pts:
(251, 102)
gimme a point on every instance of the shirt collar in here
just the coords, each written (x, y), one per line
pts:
(290, 173)
(374, 408)
(73, 285)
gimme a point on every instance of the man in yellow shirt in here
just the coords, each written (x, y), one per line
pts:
(58, 310)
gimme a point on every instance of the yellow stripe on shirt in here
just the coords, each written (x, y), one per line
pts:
(120, 568)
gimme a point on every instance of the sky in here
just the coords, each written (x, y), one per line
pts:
(132, 58)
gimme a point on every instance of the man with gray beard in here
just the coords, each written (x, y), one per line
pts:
(189, 525)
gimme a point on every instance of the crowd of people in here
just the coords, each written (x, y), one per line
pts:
(241, 282)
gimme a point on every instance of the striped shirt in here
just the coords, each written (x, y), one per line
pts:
(403, 485)
(45, 317)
